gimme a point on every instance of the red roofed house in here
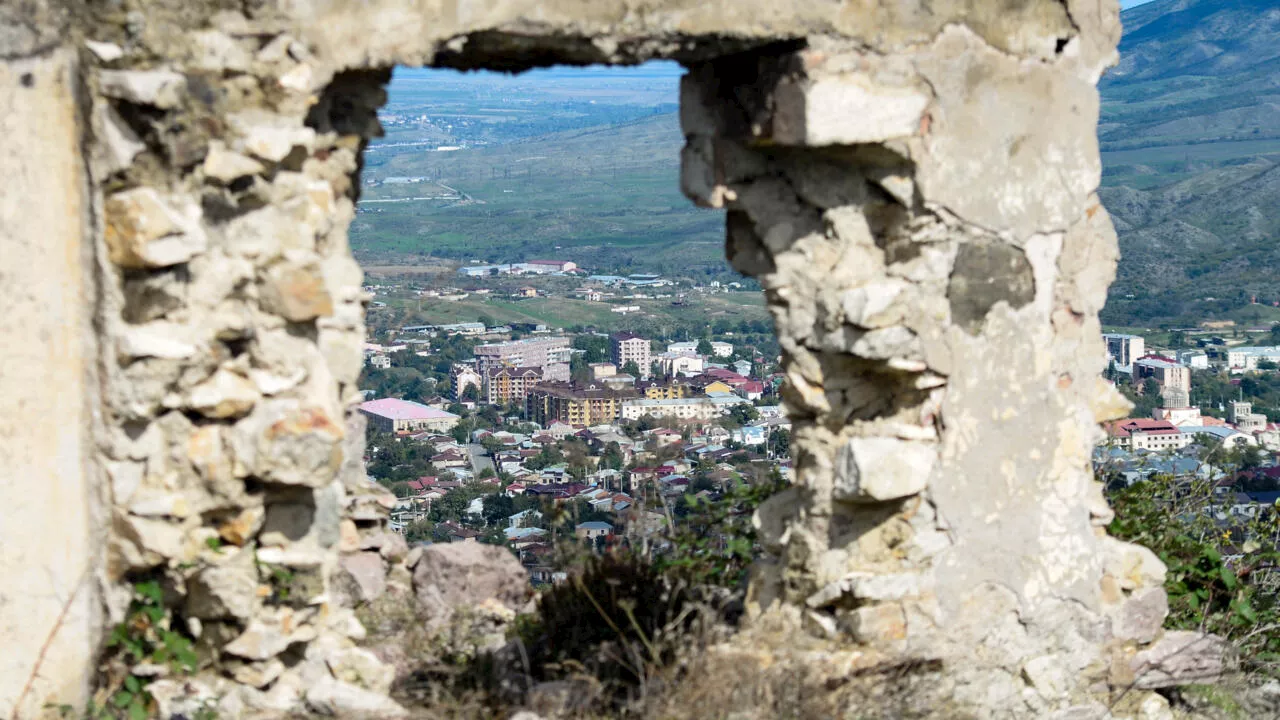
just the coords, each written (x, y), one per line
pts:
(395, 415)
(1145, 434)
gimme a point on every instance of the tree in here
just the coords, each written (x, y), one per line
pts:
(631, 368)
(497, 508)
(704, 348)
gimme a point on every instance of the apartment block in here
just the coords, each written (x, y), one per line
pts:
(538, 352)
(590, 405)
(1125, 349)
(629, 347)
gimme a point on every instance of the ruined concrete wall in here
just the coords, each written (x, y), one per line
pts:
(48, 553)
(925, 228)
(913, 187)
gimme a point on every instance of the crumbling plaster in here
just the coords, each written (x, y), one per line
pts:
(912, 184)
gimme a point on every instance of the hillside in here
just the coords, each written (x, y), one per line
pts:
(1190, 133)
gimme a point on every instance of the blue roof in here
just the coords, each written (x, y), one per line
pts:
(595, 525)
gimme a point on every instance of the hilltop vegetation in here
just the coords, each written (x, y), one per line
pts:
(585, 164)
(1190, 133)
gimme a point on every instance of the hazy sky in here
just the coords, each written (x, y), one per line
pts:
(1126, 4)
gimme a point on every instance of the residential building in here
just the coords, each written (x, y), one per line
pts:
(382, 362)
(1229, 437)
(395, 415)
(680, 409)
(1247, 358)
(593, 529)
(602, 370)
(507, 385)
(591, 405)
(1179, 416)
(1125, 349)
(1194, 359)
(670, 390)
(546, 353)
(1144, 434)
(464, 376)
(680, 363)
(629, 347)
(718, 349)
(1167, 373)
(1241, 414)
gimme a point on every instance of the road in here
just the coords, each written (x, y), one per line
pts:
(479, 458)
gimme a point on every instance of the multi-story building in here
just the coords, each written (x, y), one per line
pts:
(539, 352)
(1169, 374)
(396, 415)
(681, 409)
(718, 349)
(590, 405)
(680, 363)
(1240, 413)
(629, 347)
(1144, 434)
(464, 376)
(507, 385)
(1125, 349)
(1247, 358)
(670, 390)
(1194, 359)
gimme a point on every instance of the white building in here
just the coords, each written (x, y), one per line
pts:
(680, 408)
(680, 363)
(1124, 349)
(1247, 358)
(718, 349)
(1194, 359)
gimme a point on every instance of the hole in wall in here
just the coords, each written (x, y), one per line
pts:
(520, 234)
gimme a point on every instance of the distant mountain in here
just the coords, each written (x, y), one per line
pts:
(1190, 133)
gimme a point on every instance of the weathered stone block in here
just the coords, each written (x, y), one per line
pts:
(145, 231)
(877, 469)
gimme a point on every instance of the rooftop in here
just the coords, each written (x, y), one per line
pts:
(397, 409)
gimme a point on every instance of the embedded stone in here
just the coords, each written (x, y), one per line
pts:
(286, 443)
(1181, 657)
(154, 340)
(873, 623)
(153, 540)
(1141, 615)
(227, 394)
(296, 292)
(817, 112)
(269, 136)
(144, 231)
(877, 469)
(874, 305)
(158, 88)
(258, 674)
(118, 143)
(1048, 675)
(361, 668)
(105, 51)
(227, 165)
(368, 574)
(985, 274)
(895, 342)
(225, 591)
(341, 699)
(267, 637)
(242, 526)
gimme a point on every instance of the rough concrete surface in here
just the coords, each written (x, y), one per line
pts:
(49, 618)
(911, 183)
